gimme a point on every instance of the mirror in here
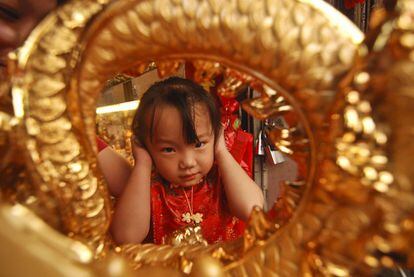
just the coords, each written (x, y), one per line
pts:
(278, 149)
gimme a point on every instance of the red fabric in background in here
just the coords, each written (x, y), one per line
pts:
(101, 144)
(349, 4)
(239, 142)
(240, 145)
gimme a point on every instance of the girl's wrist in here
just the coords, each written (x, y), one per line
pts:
(221, 153)
(142, 165)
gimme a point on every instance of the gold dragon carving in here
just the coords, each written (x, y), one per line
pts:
(353, 96)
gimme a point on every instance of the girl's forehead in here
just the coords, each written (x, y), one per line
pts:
(168, 121)
(170, 114)
(166, 116)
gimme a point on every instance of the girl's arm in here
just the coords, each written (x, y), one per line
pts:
(131, 220)
(242, 193)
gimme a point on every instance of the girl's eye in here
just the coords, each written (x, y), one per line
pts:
(200, 144)
(167, 150)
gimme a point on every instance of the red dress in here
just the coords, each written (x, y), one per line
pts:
(169, 204)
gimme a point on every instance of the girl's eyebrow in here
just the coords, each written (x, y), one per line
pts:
(166, 141)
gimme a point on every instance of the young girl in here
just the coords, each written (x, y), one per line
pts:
(196, 181)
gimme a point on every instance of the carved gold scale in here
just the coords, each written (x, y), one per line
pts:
(354, 95)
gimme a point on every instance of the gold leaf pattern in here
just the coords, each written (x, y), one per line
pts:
(58, 41)
(46, 86)
(49, 64)
(47, 109)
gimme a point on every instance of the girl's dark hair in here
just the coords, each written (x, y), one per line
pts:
(181, 94)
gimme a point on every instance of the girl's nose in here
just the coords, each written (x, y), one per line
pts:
(187, 161)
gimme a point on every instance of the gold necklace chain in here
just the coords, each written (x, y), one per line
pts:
(188, 217)
(190, 207)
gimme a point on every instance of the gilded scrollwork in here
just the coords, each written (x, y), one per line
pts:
(64, 182)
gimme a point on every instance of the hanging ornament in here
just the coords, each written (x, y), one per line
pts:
(139, 69)
(205, 73)
(167, 68)
(233, 83)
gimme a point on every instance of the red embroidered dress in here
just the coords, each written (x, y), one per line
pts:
(169, 204)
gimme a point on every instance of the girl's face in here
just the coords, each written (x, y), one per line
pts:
(176, 161)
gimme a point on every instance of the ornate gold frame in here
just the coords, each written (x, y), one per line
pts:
(358, 207)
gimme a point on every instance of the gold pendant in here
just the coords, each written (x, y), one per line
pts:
(196, 218)
(186, 217)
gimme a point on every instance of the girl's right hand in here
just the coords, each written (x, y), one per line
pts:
(141, 155)
(220, 146)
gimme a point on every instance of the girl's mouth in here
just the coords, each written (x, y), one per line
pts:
(189, 177)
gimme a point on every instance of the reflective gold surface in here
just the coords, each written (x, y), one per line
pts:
(354, 99)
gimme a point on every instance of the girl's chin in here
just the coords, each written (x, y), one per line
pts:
(189, 183)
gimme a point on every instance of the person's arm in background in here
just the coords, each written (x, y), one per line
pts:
(115, 169)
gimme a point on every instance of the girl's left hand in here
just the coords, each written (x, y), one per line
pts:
(220, 144)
